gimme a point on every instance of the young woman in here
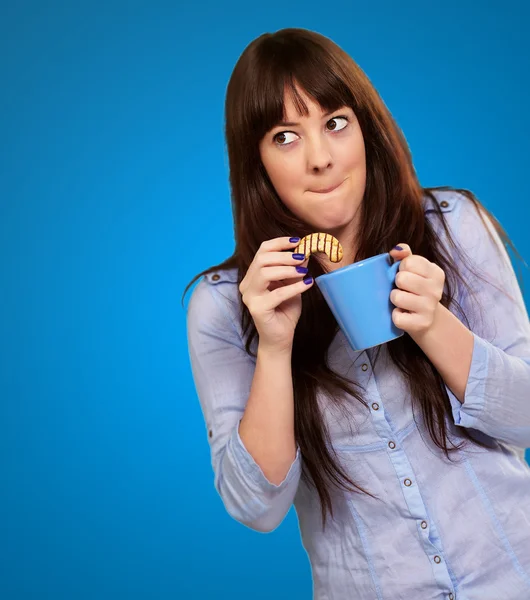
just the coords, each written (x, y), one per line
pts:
(405, 462)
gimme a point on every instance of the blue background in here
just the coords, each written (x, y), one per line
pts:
(113, 178)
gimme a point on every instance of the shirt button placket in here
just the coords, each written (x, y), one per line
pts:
(413, 498)
(438, 560)
(375, 407)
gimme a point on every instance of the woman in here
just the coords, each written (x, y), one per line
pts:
(405, 463)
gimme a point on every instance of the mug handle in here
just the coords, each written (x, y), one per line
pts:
(392, 271)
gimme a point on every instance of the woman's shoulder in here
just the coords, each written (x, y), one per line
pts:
(214, 301)
(447, 201)
(471, 228)
(460, 214)
(220, 276)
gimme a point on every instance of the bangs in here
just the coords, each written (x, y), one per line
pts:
(279, 70)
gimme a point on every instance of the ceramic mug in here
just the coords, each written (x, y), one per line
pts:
(359, 298)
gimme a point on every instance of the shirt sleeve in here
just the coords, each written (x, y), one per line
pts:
(497, 394)
(223, 371)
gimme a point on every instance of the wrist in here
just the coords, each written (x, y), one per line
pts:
(274, 351)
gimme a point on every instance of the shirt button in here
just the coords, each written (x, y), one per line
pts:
(391, 445)
(444, 204)
(216, 277)
(364, 367)
(375, 406)
(407, 482)
(210, 433)
(451, 597)
(424, 524)
(437, 559)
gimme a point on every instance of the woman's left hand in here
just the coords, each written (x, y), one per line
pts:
(420, 287)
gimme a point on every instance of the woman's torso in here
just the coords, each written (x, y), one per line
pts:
(437, 527)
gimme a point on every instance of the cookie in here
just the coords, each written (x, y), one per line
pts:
(320, 242)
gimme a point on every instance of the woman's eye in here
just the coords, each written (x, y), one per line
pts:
(281, 138)
(345, 119)
(282, 134)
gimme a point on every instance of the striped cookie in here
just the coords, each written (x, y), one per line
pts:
(320, 242)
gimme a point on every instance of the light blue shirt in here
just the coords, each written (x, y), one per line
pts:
(443, 530)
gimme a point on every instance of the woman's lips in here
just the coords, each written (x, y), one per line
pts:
(327, 190)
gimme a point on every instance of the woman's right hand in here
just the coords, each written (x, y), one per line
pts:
(272, 291)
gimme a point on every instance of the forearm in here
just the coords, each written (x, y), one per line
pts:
(449, 346)
(267, 426)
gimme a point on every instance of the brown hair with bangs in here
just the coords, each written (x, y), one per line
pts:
(392, 209)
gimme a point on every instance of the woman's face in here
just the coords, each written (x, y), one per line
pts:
(308, 155)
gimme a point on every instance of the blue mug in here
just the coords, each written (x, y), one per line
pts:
(359, 298)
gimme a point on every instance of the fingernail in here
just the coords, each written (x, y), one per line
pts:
(308, 280)
(398, 248)
(294, 240)
(299, 256)
(302, 269)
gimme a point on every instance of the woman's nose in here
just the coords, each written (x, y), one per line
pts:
(318, 154)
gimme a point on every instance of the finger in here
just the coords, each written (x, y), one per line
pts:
(271, 274)
(407, 301)
(400, 251)
(300, 272)
(269, 259)
(266, 259)
(416, 264)
(279, 244)
(408, 321)
(287, 292)
(412, 282)
(401, 318)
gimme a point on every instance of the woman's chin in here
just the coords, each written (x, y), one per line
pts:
(333, 226)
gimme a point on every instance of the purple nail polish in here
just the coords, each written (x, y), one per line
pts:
(302, 270)
(294, 240)
(299, 256)
(308, 280)
(398, 248)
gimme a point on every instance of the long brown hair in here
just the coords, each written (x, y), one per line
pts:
(392, 209)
